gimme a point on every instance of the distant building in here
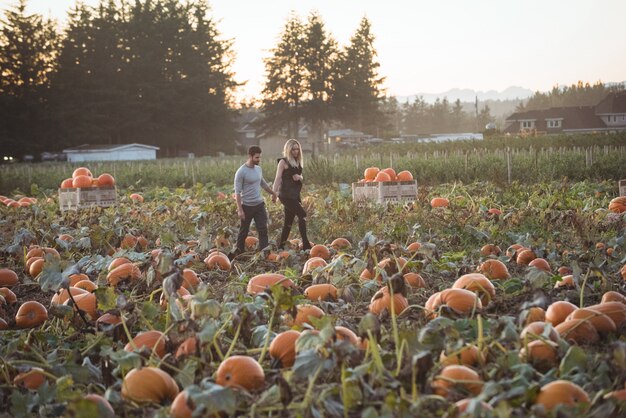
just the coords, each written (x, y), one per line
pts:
(118, 152)
(607, 116)
(339, 138)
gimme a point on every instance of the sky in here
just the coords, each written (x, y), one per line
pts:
(433, 46)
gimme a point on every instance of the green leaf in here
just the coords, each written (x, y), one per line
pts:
(575, 358)
(187, 373)
(106, 297)
(213, 398)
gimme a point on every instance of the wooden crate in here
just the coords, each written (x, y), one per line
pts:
(77, 198)
(622, 187)
(384, 192)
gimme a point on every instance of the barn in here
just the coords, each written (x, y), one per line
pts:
(115, 152)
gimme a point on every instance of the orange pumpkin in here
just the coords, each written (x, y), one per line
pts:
(116, 262)
(149, 384)
(82, 182)
(137, 197)
(183, 406)
(304, 315)
(490, 249)
(370, 173)
(541, 264)
(524, 257)
(81, 171)
(31, 379)
(188, 347)
(151, 340)
(190, 279)
(60, 297)
(313, 263)
(250, 243)
(31, 314)
(390, 172)
(558, 311)
(382, 176)
(414, 247)
(477, 282)
(533, 314)
(381, 301)
(612, 296)
(261, 282)
(8, 295)
(439, 202)
(541, 354)
(125, 271)
(323, 291)
(340, 244)
(494, 269)
(600, 321)
(321, 251)
(561, 392)
(539, 329)
(467, 356)
(241, 372)
(614, 310)
(461, 301)
(346, 334)
(414, 280)
(618, 205)
(579, 331)
(404, 175)
(8, 277)
(67, 184)
(217, 260)
(283, 348)
(454, 375)
(105, 179)
(104, 408)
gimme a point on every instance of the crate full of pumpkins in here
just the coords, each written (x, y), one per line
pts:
(83, 190)
(384, 186)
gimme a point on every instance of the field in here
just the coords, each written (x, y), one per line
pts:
(529, 200)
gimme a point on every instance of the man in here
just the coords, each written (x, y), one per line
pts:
(250, 205)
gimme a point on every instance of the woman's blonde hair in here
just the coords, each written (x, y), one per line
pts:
(287, 153)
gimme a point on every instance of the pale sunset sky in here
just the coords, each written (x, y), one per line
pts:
(433, 46)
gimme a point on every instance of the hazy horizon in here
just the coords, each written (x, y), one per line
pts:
(480, 45)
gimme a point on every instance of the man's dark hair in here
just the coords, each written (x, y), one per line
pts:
(253, 150)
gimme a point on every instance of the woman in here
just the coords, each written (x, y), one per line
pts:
(288, 184)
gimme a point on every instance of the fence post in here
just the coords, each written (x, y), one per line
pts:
(508, 164)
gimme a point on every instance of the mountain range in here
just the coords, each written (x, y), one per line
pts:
(469, 95)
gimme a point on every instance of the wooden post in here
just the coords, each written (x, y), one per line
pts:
(508, 164)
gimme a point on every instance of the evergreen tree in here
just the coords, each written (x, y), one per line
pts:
(28, 47)
(358, 87)
(285, 86)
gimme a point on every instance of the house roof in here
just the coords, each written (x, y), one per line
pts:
(346, 133)
(107, 147)
(576, 117)
(613, 103)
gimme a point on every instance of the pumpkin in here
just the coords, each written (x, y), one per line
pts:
(36, 267)
(414, 247)
(105, 410)
(78, 277)
(241, 372)
(514, 249)
(477, 282)
(87, 285)
(612, 296)
(579, 331)
(304, 314)
(414, 280)
(261, 282)
(313, 263)
(340, 244)
(601, 322)
(324, 291)
(558, 311)
(390, 266)
(116, 262)
(533, 314)
(321, 251)
(8, 277)
(149, 384)
(151, 340)
(614, 310)
(535, 330)
(81, 171)
(381, 301)
(494, 269)
(105, 179)
(490, 249)
(180, 293)
(390, 172)
(618, 205)
(461, 301)
(31, 314)
(540, 264)
(31, 379)
(125, 271)
(82, 182)
(454, 375)
(541, 354)
(564, 270)
(439, 202)
(250, 243)
(60, 297)
(561, 392)
(129, 242)
(370, 173)
(346, 334)
(183, 406)
(217, 261)
(86, 302)
(188, 347)
(67, 184)
(467, 356)
(381, 176)
(136, 197)
(8, 295)
(524, 257)
(566, 281)
(190, 279)
(283, 348)
(623, 272)
(108, 319)
(404, 175)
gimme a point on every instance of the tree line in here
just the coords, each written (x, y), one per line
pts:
(159, 72)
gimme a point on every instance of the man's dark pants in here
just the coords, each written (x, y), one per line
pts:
(259, 215)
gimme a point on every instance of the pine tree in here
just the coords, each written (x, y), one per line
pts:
(358, 88)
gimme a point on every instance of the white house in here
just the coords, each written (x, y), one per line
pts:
(116, 152)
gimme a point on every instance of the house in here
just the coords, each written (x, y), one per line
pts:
(607, 116)
(116, 152)
(341, 138)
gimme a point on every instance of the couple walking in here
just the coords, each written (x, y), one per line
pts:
(287, 186)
